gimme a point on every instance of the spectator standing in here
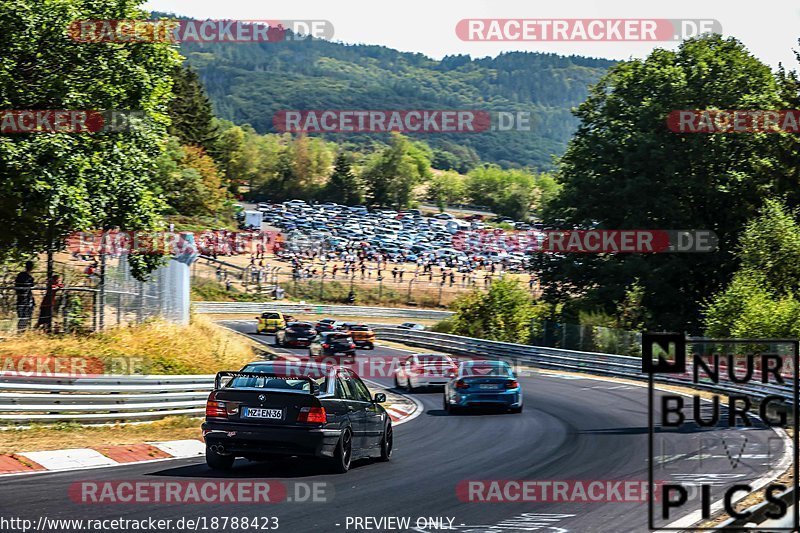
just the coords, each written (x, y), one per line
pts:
(23, 285)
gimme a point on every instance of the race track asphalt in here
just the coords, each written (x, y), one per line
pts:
(571, 429)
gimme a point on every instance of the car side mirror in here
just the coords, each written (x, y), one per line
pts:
(380, 397)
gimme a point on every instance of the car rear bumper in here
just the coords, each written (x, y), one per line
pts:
(511, 398)
(430, 381)
(298, 342)
(244, 439)
(364, 342)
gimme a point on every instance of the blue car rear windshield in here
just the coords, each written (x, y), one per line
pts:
(479, 369)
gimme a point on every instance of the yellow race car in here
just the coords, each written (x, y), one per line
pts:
(271, 321)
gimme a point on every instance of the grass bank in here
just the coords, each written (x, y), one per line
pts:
(155, 347)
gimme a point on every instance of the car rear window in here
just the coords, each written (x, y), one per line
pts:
(338, 336)
(284, 380)
(359, 327)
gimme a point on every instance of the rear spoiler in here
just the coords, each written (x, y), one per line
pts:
(271, 375)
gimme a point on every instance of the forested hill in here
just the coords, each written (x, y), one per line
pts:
(247, 83)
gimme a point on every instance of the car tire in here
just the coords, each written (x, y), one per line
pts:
(217, 461)
(353, 353)
(387, 443)
(396, 383)
(516, 410)
(409, 388)
(370, 346)
(340, 463)
(445, 404)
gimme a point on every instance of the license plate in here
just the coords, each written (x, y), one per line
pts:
(260, 412)
(487, 386)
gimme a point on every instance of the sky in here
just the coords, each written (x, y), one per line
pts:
(769, 28)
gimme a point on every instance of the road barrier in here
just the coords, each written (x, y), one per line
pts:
(315, 309)
(101, 399)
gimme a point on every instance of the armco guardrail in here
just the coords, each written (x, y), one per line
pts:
(101, 399)
(557, 359)
(315, 309)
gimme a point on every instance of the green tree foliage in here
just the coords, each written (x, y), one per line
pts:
(503, 313)
(193, 120)
(54, 184)
(509, 192)
(625, 169)
(344, 187)
(447, 188)
(189, 181)
(392, 173)
(761, 299)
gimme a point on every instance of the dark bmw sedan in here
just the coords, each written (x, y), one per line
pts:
(271, 409)
(295, 334)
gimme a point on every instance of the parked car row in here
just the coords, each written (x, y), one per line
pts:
(400, 236)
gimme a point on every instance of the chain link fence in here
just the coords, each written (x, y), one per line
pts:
(92, 295)
(586, 338)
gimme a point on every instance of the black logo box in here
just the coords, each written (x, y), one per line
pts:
(678, 366)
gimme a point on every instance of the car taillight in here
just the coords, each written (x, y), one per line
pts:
(216, 409)
(352, 345)
(326, 345)
(512, 384)
(312, 415)
(461, 384)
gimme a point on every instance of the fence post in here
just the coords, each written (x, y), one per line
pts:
(94, 311)
(140, 309)
(65, 314)
(102, 295)
(119, 307)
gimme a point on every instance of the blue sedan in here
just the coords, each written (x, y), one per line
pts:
(483, 384)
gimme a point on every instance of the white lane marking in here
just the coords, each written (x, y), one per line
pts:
(69, 459)
(181, 448)
(419, 407)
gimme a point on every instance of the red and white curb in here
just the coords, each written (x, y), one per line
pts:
(99, 456)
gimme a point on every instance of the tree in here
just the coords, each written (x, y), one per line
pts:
(624, 169)
(190, 111)
(447, 188)
(506, 192)
(392, 173)
(54, 184)
(189, 180)
(344, 187)
(503, 313)
(761, 299)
